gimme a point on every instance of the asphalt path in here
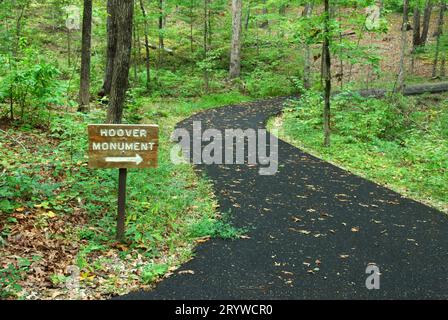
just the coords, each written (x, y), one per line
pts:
(312, 230)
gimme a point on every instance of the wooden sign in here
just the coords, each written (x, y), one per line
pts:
(123, 145)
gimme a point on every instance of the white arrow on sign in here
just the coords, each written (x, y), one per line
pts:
(137, 159)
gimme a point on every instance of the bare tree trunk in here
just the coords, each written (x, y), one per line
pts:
(84, 88)
(426, 22)
(209, 28)
(19, 29)
(123, 18)
(134, 51)
(191, 25)
(246, 21)
(416, 27)
(205, 44)
(443, 66)
(326, 71)
(416, 41)
(439, 34)
(265, 23)
(69, 47)
(161, 42)
(404, 27)
(307, 54)
(147, 61)
(111, 48)
(235, 52)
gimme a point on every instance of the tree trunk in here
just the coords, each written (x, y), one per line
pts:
(235, 53)
(326, 71)
(307, 54)
(443, 66)
(111, 48)
(191, 26)
(161, 42)
(247, 20)
(205, 44)
(416, 28)
(404, 27)
(147, 61)
(265, 23)
(134, 51)
(19, 30)
(84, 88)
(123, 17)
(426, 22)
(439, 34)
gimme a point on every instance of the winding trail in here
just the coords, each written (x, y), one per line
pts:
(309, 215)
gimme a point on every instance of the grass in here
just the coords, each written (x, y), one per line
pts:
(399, 142)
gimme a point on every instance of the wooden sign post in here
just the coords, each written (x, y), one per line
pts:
(123, 146)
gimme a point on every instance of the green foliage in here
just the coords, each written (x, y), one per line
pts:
(152, 271)
(12, 274)
(221, 228)
(262, 83)
(31, 84)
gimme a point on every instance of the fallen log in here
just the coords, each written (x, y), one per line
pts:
(409, 90)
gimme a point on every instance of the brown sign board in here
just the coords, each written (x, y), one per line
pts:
(123, 145)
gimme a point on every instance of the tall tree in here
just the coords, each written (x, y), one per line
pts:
(264, 11)
(420, 32)
(161, 40)
(399, 86)
(326, 73)
(426, 22)
(147, 61)
(122, 18)
(307, 11)
(111, 48)
(235, 52)
(84, 88)
(205, 43)
(439, 35)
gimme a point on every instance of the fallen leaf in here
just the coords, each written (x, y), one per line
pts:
(186, 272)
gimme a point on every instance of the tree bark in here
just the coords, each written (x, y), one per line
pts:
(307, 54)
(439, 34)
(205, 44)
(264, 24)
(404, 27)
(416, 28)
(111, 48)
(247, 20)
(235, 53)
(426, 22)
(161, 42)
(147, 58)
(326, 71)
(84, 88)
(123, 18)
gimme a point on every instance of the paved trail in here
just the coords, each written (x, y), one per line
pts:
(309, 211)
